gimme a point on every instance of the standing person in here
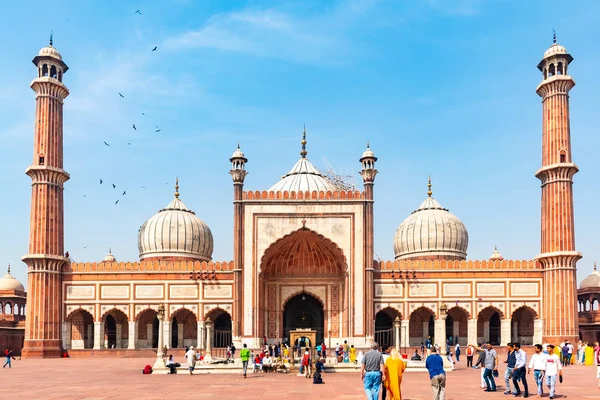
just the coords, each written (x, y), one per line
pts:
(371, 372)
(324, 350)
(307, 363)
(565, 353)
(191, 359)
(245, 356)
(538, 364)
(422, 349)
(520, 370)
(318, 348)
(385, 352)
(469, 352)
(491, 365)
(435, 366)
(394, 367)
(511, 360)
(570, 353)
(428, 342)
(457, 351)
(553, 370)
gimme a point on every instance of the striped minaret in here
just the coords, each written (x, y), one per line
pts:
(46, 256)
(558, 256)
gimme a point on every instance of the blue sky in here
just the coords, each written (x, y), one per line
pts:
(445, 88)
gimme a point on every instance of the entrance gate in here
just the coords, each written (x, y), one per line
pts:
(298, 335)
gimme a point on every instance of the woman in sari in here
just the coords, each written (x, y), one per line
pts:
(352, 354)
(394, 367)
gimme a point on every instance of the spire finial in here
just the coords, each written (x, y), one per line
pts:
(110, 250)
(176, 187)
(9, 267)
(238, 145)
(429, 192)
(368, 145)
(553, 35)
(594, 266)
(303, 152)
(51, 34)
(495, 248)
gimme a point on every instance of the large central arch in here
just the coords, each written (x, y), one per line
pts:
(302, 264)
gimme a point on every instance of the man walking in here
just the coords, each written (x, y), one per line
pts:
(435, 366)
(371, 372)
(553, 368)
(511, 360)
(538, 364)
(491, 365)
(245, 356)
(469, 352)
(520, 371)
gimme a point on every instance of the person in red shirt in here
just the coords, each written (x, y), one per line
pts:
(324, 350)
(7, 354)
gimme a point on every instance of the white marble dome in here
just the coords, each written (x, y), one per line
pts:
(592, 281)
(9, 282)
(303, 177)
(109, 257)
(50, 51)
(175, 232)
(555, 49)
(433, 232)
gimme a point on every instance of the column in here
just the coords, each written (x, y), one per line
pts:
(455, 331)
(119, 336)
(66, 335)
(486, 331)
(132, 342)
(504, 331)
(160, 363)
(404, 333)
(514, 331)
(207, 351)
(167, 336)
(98, 335)
(200, 335)
(180, 335)
(440, 335)
(472, 332)
(426, 331)
(397, 333)
(538, 330)
(149, 335)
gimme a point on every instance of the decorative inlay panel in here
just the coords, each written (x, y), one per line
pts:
(490, 289)
(524, 289)
(457, 289)
(183, 291)
(80, 292)
(149, 292)
(423, 289)
(114, 292)
(386, 289)
(217, 291)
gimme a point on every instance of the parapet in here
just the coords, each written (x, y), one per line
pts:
(151, 266)
(314, 195)
(463, 265)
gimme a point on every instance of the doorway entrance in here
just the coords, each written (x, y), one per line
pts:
(304, 312)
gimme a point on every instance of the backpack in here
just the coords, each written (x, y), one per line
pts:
(469, 351)
(147, 370)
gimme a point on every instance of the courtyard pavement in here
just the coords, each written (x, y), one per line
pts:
(121, 378)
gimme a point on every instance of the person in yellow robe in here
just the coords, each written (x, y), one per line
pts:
(589, 355)
(394, 367)
(352, 353)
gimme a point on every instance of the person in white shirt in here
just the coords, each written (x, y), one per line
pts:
(519, 372)
(538, 364)
(570, 354)
(545, 348)
(267, 363)
(553, 369)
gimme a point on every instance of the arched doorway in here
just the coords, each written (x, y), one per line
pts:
(488, 326)
(222, 331)
(522, 325)
(110, 330)
(459, 326)
(187, 329)
(303, 311)
(82, 329)
(115, 329)
(147, 329)
(421, 326)
(384, 326)
(174, 332)
(449, 336)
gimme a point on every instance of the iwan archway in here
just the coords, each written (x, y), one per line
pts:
(303, 284)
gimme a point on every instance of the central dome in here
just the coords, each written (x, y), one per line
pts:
(303, 177)
(592, 281)
(175, 233)
(431, 232)
(9, 282)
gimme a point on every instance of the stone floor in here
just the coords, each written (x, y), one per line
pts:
(121, 378)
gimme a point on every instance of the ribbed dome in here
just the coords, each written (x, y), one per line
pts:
(592, 281)
(303, 177)
(50, 51)
(109, 257)
(9, 282)
(175, 232)
(431, 232)
(554, 50)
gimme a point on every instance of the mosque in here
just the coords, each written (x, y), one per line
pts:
(302, 258)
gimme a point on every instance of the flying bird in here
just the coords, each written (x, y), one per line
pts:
(138, 12)
(84, 195)
(124, 193)
(158, 130)
(129, 143)
(134, 128)
(85, 247)
(107, 144)
(114, 186)
(143, 187)
(101, 181)
(166, 183)
(143, 113)
(121, 95)
(116, 201)
(155, 47)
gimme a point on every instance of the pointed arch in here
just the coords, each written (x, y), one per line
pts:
(458, 329)
(421, 325)
(82, 329)
(522, 325)
(488, 325)
(303, 253)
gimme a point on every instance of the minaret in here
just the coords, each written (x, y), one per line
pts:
(368, 174)
(46, 255)
(558, 256)
(238, 174)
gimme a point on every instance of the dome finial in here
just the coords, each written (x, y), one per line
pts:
(594, 266)
(429, 192)
(238, 145)
(176, 187)
(553, 36)
(51, 34)
(303, 152)
(9, 267)
(368, 145)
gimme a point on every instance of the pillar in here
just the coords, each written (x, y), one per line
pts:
(514, 337)
(180, 343)
(397, 333)
(504, 331)
(472, 332)
(66, 335)
(426, 332)
(132, 341)
(404, 334)
(455, 330)
(486, 331)
(119, 336)
(167, 334)
(207, 351)
(98, 335)
(90, 336)
(200, 334)
(538, 329)
(159, 363)
(149, 335)
(440, 334)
